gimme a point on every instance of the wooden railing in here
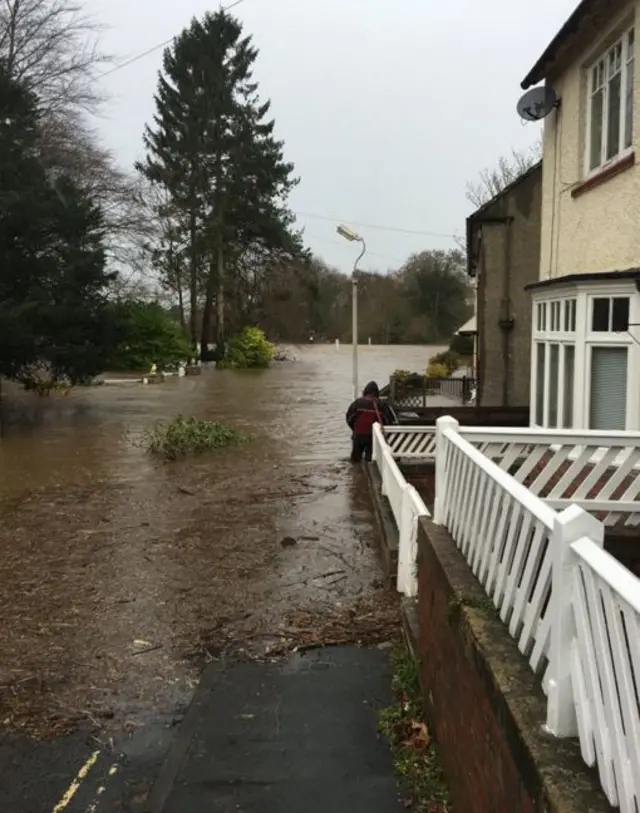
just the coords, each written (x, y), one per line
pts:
(406, 506)
(504, 532)
(417, 390)
(572, 608)
(597, 654)
(599, 471)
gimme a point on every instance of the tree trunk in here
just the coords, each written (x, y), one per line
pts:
(193, 287)
(220, 331)
(183, 321)
(207, 312)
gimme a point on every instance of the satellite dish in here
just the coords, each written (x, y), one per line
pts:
(537, 103)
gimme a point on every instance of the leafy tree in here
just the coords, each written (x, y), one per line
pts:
(436, 286)
(53, 282)
(149, 335)
(213, 150)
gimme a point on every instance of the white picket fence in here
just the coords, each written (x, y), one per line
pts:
(572, 608)
(600, 471)
(406, 506)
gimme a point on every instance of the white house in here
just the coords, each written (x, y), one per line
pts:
(586, 306)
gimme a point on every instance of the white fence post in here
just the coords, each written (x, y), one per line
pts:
(446, 422)
(407, 582)
(572, 524)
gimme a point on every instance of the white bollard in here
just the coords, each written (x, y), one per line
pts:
(337, 345)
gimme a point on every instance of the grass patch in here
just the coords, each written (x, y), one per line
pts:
(184, 436)
(415, 754)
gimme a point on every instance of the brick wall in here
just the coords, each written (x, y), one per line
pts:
(484, 704)
(422, 477)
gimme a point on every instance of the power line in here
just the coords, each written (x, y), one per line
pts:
(375, 226)
(155, 48)
(368, 254)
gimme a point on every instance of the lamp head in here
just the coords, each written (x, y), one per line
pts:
(348, 234)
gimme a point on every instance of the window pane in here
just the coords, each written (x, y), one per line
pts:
(572, 325)
(554, 367)
(608, 407)
(613, 116)
(539, 417)
(628, 105)
(569, 367)
(620, 314)
(600, 316)
(595, 150)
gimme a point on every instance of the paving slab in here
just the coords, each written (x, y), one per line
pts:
(299, 735)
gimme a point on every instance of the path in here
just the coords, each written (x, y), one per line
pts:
(284, 737)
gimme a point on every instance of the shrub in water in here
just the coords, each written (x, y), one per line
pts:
(449, 360)
(437, 370)
(248, 349)
(183, 436)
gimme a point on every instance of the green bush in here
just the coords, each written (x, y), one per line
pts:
(148, 335)
(462, 345)
(401, 375)
(183, 436)
(248, 349)
(449, 360)
(437, 370)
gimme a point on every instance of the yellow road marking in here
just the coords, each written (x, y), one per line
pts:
(93, 807)
(74, 786)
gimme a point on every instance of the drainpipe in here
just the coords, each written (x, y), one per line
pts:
(506, 319)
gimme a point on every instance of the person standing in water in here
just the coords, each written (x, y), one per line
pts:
(361, 415)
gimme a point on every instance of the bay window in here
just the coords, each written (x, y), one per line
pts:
(610, 104)
(584, 352)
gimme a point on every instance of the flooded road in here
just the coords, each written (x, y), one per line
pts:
(120, 576)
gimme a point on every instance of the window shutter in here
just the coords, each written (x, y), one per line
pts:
(608, 407)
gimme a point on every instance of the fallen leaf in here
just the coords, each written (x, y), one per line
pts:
(418, 736)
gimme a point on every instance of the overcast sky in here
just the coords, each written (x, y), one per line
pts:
(387, 107)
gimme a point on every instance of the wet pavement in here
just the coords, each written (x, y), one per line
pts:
(121, 577)
(280, 738)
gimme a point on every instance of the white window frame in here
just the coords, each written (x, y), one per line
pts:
(601, 66)
(584, 339)
(554, 323)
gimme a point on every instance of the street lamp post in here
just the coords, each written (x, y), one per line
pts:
(352, 237)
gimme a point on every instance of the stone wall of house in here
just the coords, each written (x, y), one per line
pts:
(508, 259)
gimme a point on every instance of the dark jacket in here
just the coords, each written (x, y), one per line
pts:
(366, 411)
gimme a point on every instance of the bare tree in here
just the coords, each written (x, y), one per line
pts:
(492, 181)
(52, 47)
(166, 246)
(70, 148)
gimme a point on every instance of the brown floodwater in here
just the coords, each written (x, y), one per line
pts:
(119, 574)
